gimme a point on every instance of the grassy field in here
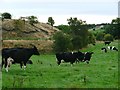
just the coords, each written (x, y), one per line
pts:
(102, 72)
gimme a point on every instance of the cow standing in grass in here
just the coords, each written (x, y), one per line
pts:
(85, 57)
(112, 48)
(107, 42)
(66, 56)
(88, 56)
(73, 56)
(19, 55)
(104, 49)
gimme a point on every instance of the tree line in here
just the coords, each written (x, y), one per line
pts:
(77, 34)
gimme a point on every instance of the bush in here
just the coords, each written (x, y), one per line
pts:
(100, 36)
(6, 15)
(91, 38)
(108, 37)
(62, 42)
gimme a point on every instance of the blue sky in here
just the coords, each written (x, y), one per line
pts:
(91, 11)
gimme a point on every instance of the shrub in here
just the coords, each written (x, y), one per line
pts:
(6, 15)
(91, 38)
(100, 36)
(108, 37)
(62, 42)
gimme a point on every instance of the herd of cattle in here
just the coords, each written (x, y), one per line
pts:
(22, 56)
(112, 48)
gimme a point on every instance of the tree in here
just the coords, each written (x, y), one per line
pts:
(114, 28)
(76, 42)
(78, 28)
(64, 28)
(32, 20)
(6, 15)
(91, 38)
(62, 42)
(51, 21)
(100, 36)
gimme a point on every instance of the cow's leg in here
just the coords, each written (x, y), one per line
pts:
(6, 68)
(76, 61)
(6, 65)
(21, 64)
(87, 61)
(58, 62)
(2, 63)
(24, 65)
(71, 63)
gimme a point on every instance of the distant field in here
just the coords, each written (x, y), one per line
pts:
(102, 72)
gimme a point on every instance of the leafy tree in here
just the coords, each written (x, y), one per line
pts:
(79, 28)
(76, 42)
(51, 21)
(91, 38)
(114, 28)
(32, 20)
(62, 42)
(100, 36)
(64, 28)
(6, 15)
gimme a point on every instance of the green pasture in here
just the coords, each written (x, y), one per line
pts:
(102, 72)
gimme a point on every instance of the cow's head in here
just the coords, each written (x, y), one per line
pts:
(9, 61)
(90, 53)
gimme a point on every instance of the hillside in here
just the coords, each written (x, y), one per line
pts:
(19, 33)
(19, 29)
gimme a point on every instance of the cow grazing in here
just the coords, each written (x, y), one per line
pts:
(87, 56)
(107, 42)
(73, 57)
(19, 55)
(80, 56)
(104, 49)
(112, 48)
(67, 57)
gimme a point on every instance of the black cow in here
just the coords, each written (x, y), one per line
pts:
(104, 49)
(73, 56)
(80, 56)
(67, 57)
(107, 42)
(19, 55)
(87, 56)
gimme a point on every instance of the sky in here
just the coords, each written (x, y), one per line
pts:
(91, 11)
